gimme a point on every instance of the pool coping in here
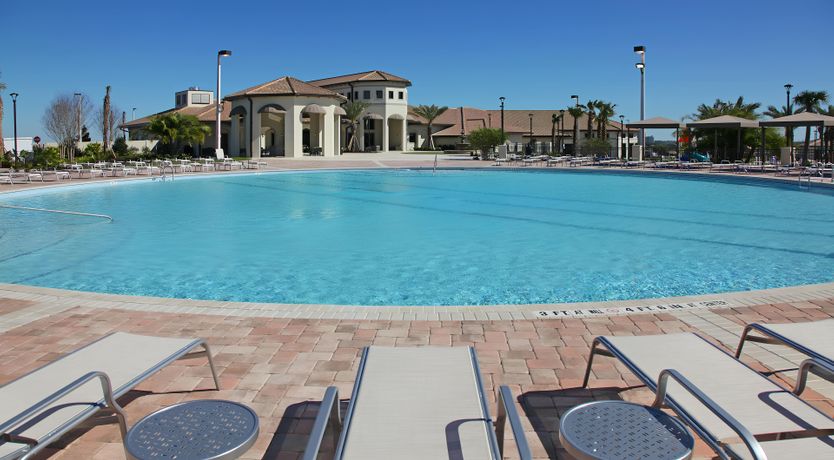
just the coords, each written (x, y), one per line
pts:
(63, 298)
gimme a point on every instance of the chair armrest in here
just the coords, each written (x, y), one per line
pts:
(507, 411)
(107, 391)
(328, 415)
(820, 368)
(745, 435)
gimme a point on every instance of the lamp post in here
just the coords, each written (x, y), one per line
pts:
(575, 97)
(641, 50)
(622, 139)
(79, 97)
(531, 131)
(218, 102)
(561, 131)
(14, 116)
(789, 111)
(133, 114)
(502, 99)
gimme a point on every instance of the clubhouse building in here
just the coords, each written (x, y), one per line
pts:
(291, 118)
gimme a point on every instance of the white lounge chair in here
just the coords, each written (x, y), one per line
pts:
(417, 403)
(738, 412)
(814, 339)
(38, 408)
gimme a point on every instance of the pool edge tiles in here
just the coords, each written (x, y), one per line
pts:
(52, 300)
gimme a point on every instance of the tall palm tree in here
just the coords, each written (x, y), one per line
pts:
(354, 110)
(430, 113)
(554, 119)
(737, 108)
(809, 101)
(576, 112)
(605, 110)
(105, 128)
(591, 107)
(2, 145)
(828, 134)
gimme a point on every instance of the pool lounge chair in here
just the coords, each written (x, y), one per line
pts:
(814, 339)
(417, 403)
(38, 408)
(738, 412)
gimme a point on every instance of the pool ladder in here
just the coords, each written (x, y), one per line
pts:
(163, 169)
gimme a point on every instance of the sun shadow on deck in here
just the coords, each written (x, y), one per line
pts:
(294, 430)
(544, 408)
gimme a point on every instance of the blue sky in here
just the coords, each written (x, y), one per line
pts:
(535, 53)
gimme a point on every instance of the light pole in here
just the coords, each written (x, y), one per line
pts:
(531, 132)
(641, 50)
(622, 125)
(561, 131)
(575, 97)
(789, 111)
(502, 99)
(14, 111)
(78, 101)
(218, 103)
(133, 114)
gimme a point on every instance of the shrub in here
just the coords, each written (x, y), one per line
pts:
(120, 146)
(94, 150)
(485, 139)
(46, 157)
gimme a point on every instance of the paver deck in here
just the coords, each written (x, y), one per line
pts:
(280, 364)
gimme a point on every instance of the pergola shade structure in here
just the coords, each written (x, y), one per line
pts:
(806, 119)
(660, 123)
(726, 122)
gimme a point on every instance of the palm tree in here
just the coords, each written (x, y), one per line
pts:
(828, 133)
(105, 128)
(175, 130)
(430, 112)
(576, 112)
(591, 105)
(554, 119)
(2, 145)
(354, 110)
(737, 108)
(809, 101)
(774, 112)
(605, 110)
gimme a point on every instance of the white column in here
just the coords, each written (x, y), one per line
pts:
(404, 135)
(247, 141)
(337, 135)
(360, 135)
(255, 142)
(384, 124)
(234, 132)
(328, 148)
(293, 132)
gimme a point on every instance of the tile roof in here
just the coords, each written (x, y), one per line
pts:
(515, 121)
(372, 75)
(284, 86)
(204, 113)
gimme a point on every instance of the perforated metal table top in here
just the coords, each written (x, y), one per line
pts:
(194, 430)
(623, 430)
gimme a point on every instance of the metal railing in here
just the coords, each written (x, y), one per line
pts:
(58, 211)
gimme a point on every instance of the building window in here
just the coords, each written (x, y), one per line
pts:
(356, 94)
(198, 98)
(390, 95)
(366, 94)
(369, 124)
(401, 95)
(379, 94)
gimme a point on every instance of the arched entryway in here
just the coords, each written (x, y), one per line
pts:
(396, 132)
(273, 119)
(313, 134)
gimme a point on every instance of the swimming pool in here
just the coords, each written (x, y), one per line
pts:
(399, 237)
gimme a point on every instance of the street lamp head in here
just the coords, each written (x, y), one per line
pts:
(14, 96)
(640, 65)
(561, 111)
(788, 86)
(640, 49)
(530, 115)
(224, 53)
(574, 96)
(502, 98)
(622, 117)
(77, 94)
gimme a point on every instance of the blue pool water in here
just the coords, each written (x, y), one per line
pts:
(417, 238)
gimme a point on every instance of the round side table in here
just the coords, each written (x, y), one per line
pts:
(194, 430)
(621, 430)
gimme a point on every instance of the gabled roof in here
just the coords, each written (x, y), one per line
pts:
(284, 86)
(724, 121)
(656, 122)
(801, 119)
(372, 75)
(204, 113)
